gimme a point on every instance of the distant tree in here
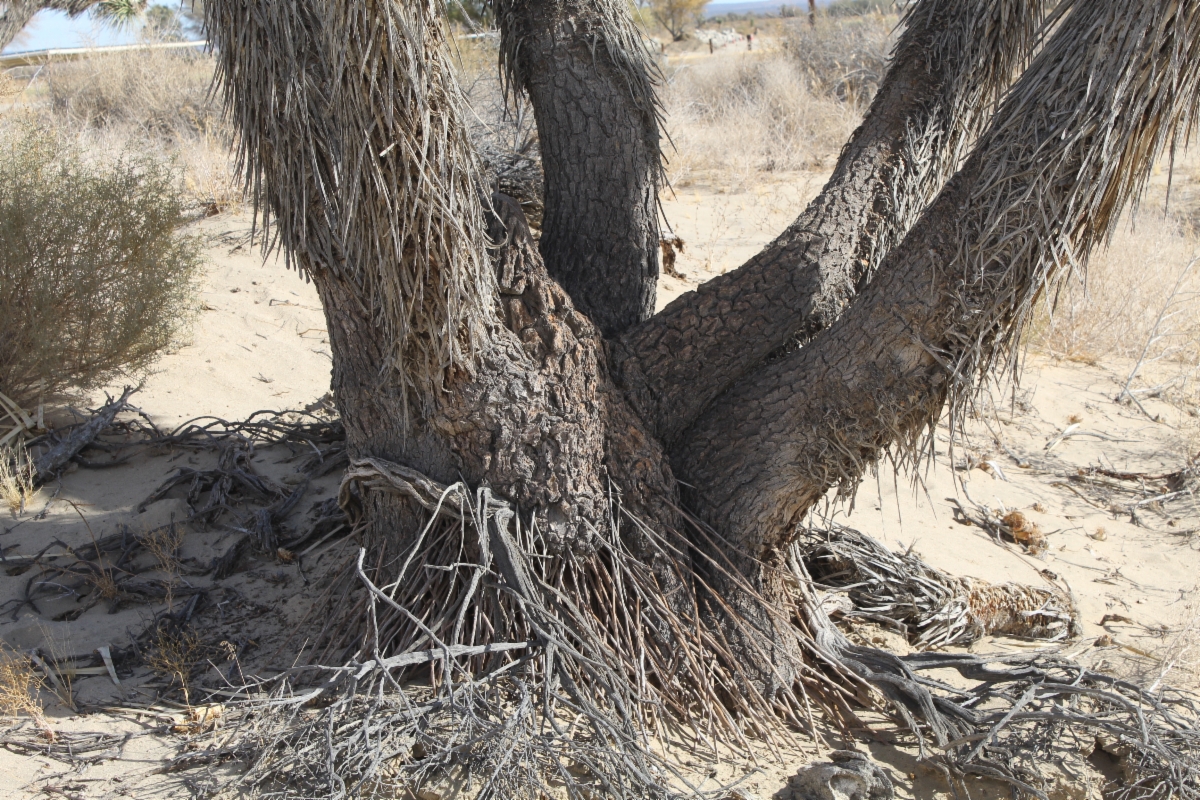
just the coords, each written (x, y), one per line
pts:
(164, 23)
(677, 15)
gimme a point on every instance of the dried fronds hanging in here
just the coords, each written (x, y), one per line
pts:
(932, 608)
(1073, 144)
(350, 128)
(545, 673)
(980, 46)
(514, 673)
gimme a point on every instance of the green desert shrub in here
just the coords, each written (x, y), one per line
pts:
(96, 280)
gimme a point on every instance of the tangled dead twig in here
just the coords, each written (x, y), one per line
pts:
(494, 666)
(933, 609)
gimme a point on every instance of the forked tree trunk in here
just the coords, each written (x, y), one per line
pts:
(392, 233)
(951, 300)
(458, 364)
(591, 83)
(952, 63)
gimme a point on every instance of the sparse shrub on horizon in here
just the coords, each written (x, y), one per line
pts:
(858, 8)
(158, 92)
(162, 98)
(844, 57)
(96, 280)
(749, 114)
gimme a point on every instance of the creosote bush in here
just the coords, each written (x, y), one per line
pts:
(96, 279)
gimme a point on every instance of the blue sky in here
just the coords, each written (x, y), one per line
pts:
(55, 29)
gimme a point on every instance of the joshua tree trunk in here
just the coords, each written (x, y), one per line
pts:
(458, 356)
(591, 83)
(952, 63)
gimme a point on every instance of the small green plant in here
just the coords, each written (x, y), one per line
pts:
(95, 279)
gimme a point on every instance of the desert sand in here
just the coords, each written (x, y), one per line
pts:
(259, 343)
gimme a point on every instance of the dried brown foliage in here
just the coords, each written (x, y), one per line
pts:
(95, 278)
(19, 686)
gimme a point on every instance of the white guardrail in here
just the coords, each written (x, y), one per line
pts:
(34, 58)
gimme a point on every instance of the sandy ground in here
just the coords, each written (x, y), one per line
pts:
(260, 344)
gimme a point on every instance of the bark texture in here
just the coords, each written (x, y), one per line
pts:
(951, 65)
(1040, 190)
(519, 400)
(590, 82)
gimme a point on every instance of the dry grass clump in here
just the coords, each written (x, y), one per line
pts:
(19, 687)
(173, 655)
(160, 98)
(1115, 308)
(161, 92)
(95, 280)
(843, 57)
(749, 114)
(16, 478)
(163, 543)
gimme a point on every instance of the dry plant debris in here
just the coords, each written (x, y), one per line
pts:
(19, 686)
(16, 478)
(933, 609)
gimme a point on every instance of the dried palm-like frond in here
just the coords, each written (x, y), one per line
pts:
(1072, 146)
(978, 46)
(350, 127)
(933, 608)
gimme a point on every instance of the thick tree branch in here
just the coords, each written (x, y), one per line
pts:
(16, 14)
(952, 64)
(1073, 143)
(591, 84)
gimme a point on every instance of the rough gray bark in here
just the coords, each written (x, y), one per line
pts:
(531, 413)
(590, 82)
(1039, 191)
(951, 65)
